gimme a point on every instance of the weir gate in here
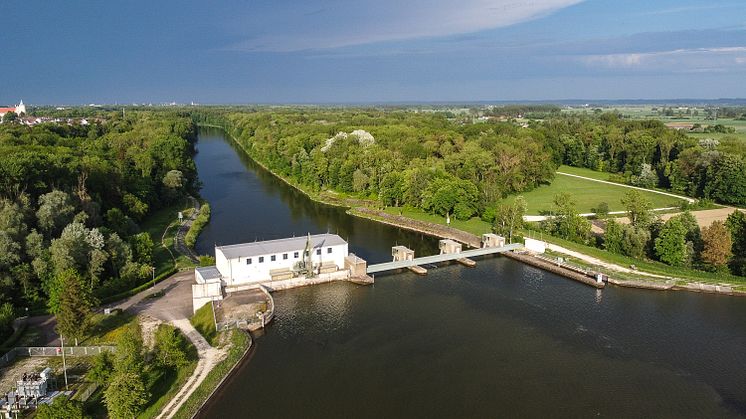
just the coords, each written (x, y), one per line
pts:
(425, 260)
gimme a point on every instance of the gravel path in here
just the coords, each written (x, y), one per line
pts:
(209, 357)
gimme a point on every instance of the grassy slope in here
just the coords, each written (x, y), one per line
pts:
(204, 321)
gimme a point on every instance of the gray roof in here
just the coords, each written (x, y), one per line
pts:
(209, 272)
(270, 247)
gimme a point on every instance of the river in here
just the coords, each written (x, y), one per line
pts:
(499, 340)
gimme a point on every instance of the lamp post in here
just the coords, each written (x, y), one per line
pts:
(152, 269)
(64, 365)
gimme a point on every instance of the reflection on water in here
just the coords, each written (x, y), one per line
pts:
(501, 339)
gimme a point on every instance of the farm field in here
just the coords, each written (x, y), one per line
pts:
(586, 193)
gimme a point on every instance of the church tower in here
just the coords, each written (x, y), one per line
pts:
(21, 109)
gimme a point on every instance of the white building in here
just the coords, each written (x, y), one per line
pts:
(255, 263)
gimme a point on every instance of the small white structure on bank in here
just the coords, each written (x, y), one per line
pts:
(246, 264)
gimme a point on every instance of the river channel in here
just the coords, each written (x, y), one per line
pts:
(499, 340)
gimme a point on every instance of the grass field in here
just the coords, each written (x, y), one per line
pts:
(586, 193)
(474, 226)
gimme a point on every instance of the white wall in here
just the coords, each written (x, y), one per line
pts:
(237, 271)
(536, 246)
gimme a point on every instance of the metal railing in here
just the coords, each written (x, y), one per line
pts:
(51, 351)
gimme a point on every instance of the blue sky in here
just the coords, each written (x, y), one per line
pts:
(320, 51)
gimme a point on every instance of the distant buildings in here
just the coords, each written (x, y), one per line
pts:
(19, 110)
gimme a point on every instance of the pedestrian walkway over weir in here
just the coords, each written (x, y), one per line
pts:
(425, 260)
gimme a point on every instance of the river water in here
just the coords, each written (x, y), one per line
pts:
(499, 340)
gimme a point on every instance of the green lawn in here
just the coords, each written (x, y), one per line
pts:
(204, 321)
(586, 193)
(474, 226)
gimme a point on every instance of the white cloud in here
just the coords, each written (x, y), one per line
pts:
(360, 22)
(682, 60)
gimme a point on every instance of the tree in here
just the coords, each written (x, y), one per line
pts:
(716, 245)
(634, 241)
(736, 224)
(509, 217)
(142, 248)
(129, 354)
(102, 367)
(55, 211)
(60, 408)
(566, 222)
(613, 237)
(602, 210)
(74, 311)
(670, 245)
(638, 208)
(126, 395)
(170, 347)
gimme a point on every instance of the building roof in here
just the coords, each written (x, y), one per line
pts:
(6, 110)
(269, 247)
(209, 272)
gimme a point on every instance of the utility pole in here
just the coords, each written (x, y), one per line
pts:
(64, 365)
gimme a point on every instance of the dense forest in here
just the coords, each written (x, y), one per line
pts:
(71, 200)
(411, 158)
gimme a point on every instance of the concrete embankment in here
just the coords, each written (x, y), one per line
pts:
(550, 267)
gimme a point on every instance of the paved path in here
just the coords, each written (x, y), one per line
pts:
(690, 200)
(209, 357)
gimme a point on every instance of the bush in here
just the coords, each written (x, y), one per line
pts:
(197, 225)
(171, 348)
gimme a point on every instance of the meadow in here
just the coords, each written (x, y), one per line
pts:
(587, 194)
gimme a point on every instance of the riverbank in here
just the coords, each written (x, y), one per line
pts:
(362, 209)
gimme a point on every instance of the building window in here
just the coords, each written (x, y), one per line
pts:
(295, 255)
(273, 258)
(329, 250)
(261, 259)
(284, 256)
(318, 251)
(248, 261)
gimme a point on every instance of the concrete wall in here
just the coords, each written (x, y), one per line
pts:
(237, 271)
(536, 246)
(204, 293)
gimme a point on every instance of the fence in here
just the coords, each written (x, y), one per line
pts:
(52, 351)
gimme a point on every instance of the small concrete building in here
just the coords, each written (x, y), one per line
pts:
(402, 253)
(492, 240)
(448, 246)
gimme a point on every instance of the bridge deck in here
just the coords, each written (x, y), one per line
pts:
(381, 267)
